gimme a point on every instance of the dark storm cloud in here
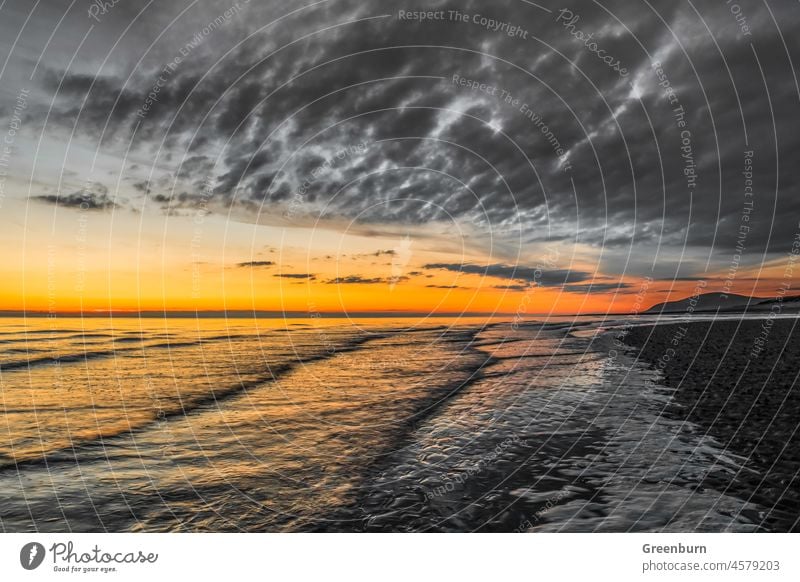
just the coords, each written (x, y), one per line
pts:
(546, 278)
(295, 275)
(377, 253)
(255, 264)
(143, 187)
(597, 287)
(97, 199)
(356, 280)
(343, 112)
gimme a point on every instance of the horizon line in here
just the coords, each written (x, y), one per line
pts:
(276, 314)
(293, 314)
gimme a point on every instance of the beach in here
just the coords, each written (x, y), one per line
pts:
(738, 381)
(384, 425)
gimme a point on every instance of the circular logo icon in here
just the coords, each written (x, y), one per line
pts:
(31, 555)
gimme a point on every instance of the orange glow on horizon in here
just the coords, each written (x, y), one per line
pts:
(207, 289)
(69, 267)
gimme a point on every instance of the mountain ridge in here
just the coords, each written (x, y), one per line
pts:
(725, 302)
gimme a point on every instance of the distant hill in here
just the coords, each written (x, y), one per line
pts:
(708, 302)
(787, 304)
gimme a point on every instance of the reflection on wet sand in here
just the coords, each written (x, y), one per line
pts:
(446, 425)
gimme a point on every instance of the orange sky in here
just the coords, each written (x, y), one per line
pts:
(96, 262)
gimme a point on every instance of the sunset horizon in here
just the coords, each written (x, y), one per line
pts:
(346, 267)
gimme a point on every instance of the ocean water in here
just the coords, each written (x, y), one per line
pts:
(337, 425)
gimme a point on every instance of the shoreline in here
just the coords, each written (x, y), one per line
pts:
(748, 402)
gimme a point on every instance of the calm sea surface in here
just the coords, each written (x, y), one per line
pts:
(336, 425)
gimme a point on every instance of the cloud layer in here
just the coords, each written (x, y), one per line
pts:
(354, 112)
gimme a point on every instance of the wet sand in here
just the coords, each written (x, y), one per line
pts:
(539, 427)
(738, 380)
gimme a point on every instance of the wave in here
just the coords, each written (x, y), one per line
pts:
(57, 360)
(73, 358)
(185, 406)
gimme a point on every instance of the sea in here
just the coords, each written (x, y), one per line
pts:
(386, 424)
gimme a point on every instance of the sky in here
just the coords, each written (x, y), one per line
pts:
(443, 157)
